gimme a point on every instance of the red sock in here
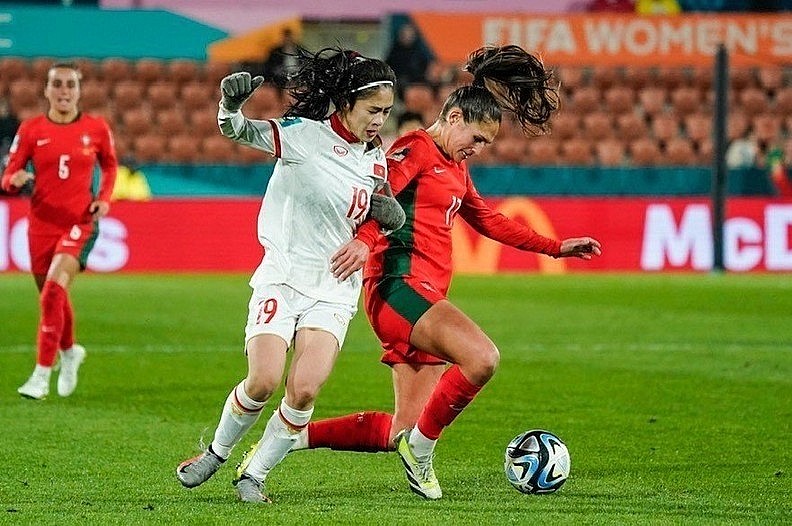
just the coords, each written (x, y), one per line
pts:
(53, 297)
(366, 431)
(451, 395)
(67, 337)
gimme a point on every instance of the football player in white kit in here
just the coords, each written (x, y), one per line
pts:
(305, 291)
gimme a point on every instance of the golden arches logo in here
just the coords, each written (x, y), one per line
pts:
(481, 255)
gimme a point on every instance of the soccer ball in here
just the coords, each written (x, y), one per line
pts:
(537, 461)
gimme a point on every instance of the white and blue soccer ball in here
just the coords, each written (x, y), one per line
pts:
(537, 461)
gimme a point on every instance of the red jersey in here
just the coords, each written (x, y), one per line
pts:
(63, 156)
(433, 189)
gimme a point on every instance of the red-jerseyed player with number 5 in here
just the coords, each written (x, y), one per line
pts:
(63, 145)
(406, 280)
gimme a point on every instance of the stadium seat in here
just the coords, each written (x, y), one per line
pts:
(610, 152)
(701, 77)
(183, 70)
(418, 98)
(686, 100)
(115, 70)
(737, 124)
(265, 103)
(510, 150)
(88, 68)
(597, 125)
(13, 68)
(679, 152)
(149, 148)
(704, 152)
(171, 121)
(183, 149)
(123, 145)
(198, 95)
(24, 93)
(698, 126)
(637, 78)
(644, 152)
(93, 95)
(162, 94)
(619, 99)
(783, 101)
(630, 126)
(148, 70)
(665, 127)
(767, 128)
(127, 94)
(753, 101)
(39, 68)
(606, 77)
(218, 149)
(576, 152)
(771, 78)
(565, 124)
(672, 77)
(653, 100)
(741, 78)
(204, 122)
(214, 72)
(246, 155)
(136, 121)
(542, 151)
(585, 100)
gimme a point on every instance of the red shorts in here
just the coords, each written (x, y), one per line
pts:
(77, 242)
(393, 306)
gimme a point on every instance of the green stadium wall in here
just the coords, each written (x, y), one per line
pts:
(222, 180)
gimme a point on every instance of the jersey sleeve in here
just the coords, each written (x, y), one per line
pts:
(406, 159)
(107, 161)
(18, 156)
(494, 225)
(285, 138)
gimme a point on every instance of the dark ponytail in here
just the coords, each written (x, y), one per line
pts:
(331, 79)
(507, 78)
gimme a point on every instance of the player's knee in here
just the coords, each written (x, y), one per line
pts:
(485, 364)
(302, 395)
(260, 387)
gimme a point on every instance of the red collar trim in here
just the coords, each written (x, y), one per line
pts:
(340, 129)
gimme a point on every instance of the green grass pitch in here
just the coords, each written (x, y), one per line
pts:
(673, 393)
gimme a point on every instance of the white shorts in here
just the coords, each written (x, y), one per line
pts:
(282, 310)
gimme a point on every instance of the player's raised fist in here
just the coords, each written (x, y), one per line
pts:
(237, 88)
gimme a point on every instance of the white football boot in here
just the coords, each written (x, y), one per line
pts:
(37, 386)
(70, 362)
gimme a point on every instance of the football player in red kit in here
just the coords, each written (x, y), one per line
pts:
(406, 279)
(63, 146)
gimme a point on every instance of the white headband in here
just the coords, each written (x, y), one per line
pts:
(372, 84)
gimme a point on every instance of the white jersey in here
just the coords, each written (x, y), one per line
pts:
(318, 195)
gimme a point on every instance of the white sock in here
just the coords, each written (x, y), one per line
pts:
(240, 412)
(43, 371)
(302, 440)
(422, 447)
(279, 436)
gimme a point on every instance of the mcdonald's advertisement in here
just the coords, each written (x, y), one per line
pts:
(642, 234)
(614, 39)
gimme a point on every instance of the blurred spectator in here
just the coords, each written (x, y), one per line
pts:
(612, 6)
(742, 152)
(657, 7)
(408, 57)
(409, 121)
(8, 126)
(283, 59)
(779, 172)
(131, 184)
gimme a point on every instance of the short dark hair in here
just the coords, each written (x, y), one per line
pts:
(408, 116)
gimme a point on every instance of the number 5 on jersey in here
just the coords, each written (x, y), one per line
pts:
(63, 166)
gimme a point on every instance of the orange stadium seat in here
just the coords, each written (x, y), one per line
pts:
(637, 78)
(115, 69)
(672, 77)
(565, 125)
(127, 94)
(631, 126)
(698, 126)
(39, 68)
(571, 78)
(741, 78)
(542, 151)
(183, 70)
(653, 100)
(215, 71)
(418, 98)
(679, 152)
(136, 121)
(737, 124)
(204, 122)
(783, 101)
(576, 152)
(162, 94)
(265, 103)
(767, 128)
(686, 100)
(198, 95)
(183, 148)
(123, 145)
(88, 68)
(619, 99)
(170, 121)
(94, 95)
(754, 101)
(597, 125)
(610, 152)
(24, 93)
(665, 127)
(585, 99)
(510, 150)
(701, 77)
(149, 148)
(704, 152)
(771, 78)
(148, 70)
(13, 68)
(606, 77)
(644, 152)
(218, 149)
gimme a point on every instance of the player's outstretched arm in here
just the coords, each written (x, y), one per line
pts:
(386, 210)
(580, 247)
